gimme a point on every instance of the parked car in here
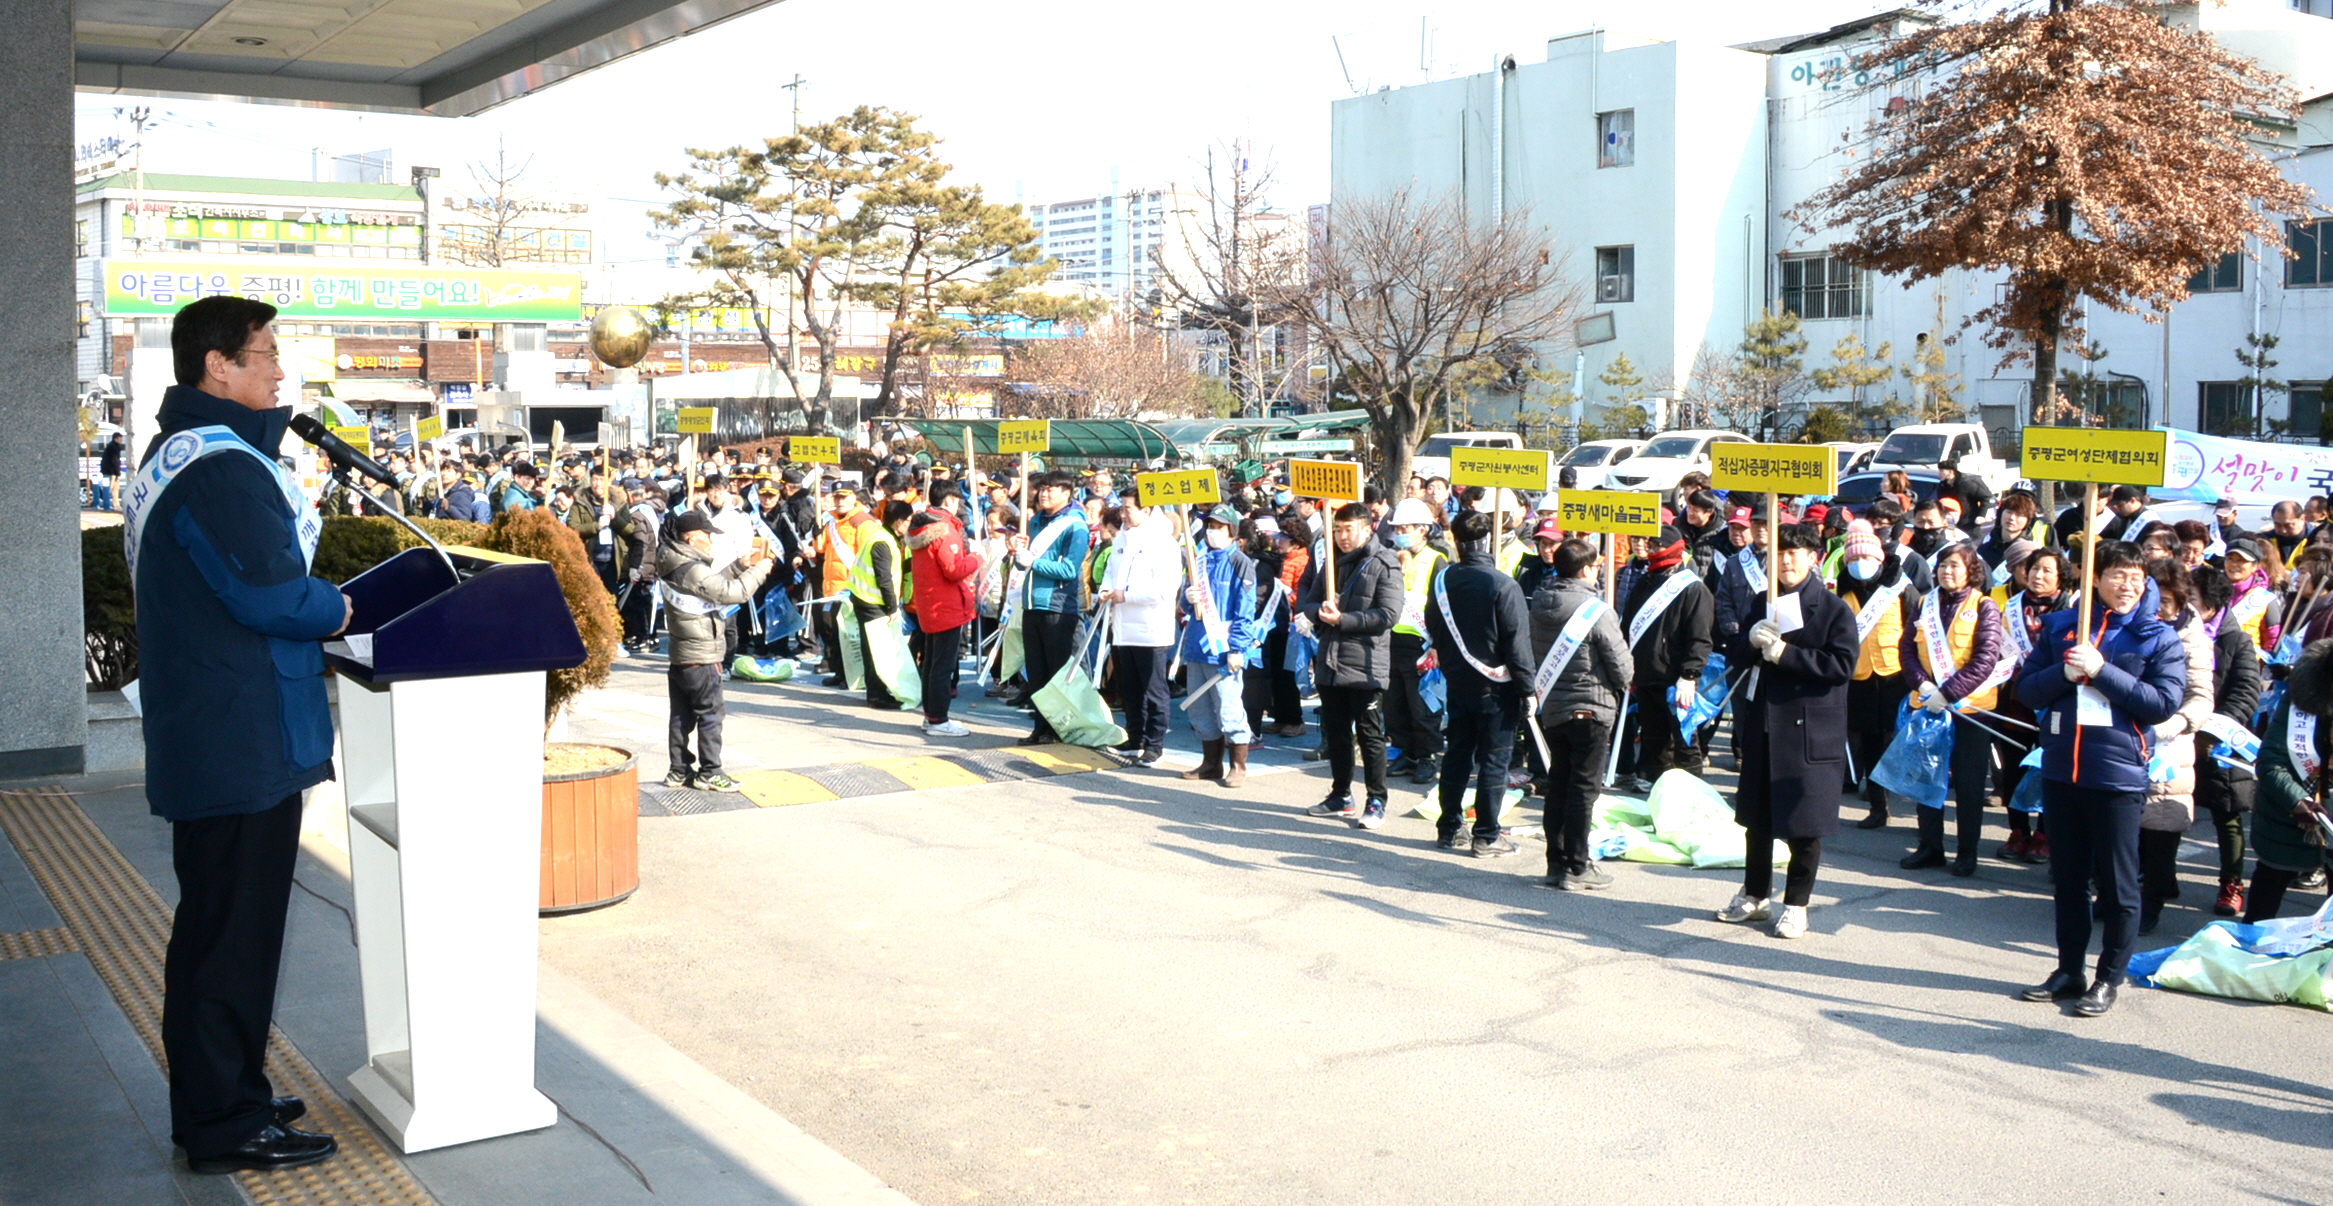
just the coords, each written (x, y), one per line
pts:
(1667, 457)
(1852, 456)
(1589, 463)
(1433, 458)
(1927, 445)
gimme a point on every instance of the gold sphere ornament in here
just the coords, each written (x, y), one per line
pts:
(620, 336)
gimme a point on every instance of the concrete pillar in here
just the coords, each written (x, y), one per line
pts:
(43, 704)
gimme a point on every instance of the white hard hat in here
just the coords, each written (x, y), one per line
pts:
(1412, 511)
(1547, 502)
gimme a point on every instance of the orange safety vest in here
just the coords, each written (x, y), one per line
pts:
(1960, 638)
(838, 550)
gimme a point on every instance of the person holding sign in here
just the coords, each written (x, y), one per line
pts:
(1481, 629)
(1582, 676)
(1790, 721)
(2097, 679)
(1218, 638)
(1354, 664)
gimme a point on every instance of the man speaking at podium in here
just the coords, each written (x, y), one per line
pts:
(230, 632)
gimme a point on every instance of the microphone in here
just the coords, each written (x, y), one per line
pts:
(339, 450)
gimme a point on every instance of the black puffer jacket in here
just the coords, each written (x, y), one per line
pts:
(1677, 645)
(2235, 695)
(1357, 650)
(1490, 616)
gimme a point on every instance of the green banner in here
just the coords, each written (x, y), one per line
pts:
(311, 290)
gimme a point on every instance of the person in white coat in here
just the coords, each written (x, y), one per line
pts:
(1144, 574)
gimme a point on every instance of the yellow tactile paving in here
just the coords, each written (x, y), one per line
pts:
(32, 944)
(1066, 759)
(777, 789)
(115, 918)
(925, 774)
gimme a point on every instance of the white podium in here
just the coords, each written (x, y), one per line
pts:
(441, 730)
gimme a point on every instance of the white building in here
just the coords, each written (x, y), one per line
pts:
(1664, 170)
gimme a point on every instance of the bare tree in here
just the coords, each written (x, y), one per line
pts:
(1236, 255)
(1714, 394)
(1112, 370)
(1413, 299)
(503, 219)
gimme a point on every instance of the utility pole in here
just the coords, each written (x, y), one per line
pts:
(138, 118)
(793, 332)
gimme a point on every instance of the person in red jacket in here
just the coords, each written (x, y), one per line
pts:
(944, 571)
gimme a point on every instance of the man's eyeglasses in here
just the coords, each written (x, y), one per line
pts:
(270, 353)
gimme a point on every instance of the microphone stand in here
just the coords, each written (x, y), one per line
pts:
(340, 474)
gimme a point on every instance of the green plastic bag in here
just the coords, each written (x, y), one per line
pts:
(886, 645)
(1074, 708)
(2212, 963)
(762, 669)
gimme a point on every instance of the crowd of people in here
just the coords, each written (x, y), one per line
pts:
(1472, 666)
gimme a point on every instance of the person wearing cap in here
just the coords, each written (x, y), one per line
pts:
(1480, 627)
(945, 571)
(1790, 714)
(1051, 556)
(875, 653)
(1409, 723)
(1970, 491)
(1354, 666)
(1274, 702)
(1666, 617)
(843, 534)
(2128, 514)
(2227, 524)
(695, 591)
(518, 494)
(1579, 679)
(2256, 606)
(1538, 569)
(1739, 576)
(1219, 638)
(1879, 590)
(637, 526)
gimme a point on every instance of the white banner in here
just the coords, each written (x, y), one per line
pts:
(2255, 474)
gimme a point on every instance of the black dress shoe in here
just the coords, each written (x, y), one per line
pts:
(288, 1110)
(272, 1148)
(1964, 865)
(2062, 985)
(1877, 820)
(2097, 1001)
(1925, 856)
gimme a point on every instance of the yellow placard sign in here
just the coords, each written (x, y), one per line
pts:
(1024, 435)
(1178, 487)
(1626, 512)
(2089, 454)
(359, 438)
(815, 450)
(1339, 480)
(431, 428)
(1774, 468)
(693, 420)
(1497, 468)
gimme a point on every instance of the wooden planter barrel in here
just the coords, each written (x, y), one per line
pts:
(591, 837)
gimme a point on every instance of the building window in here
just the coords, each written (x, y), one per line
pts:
(2225, 407)
(2312, 262)
(1822, 286)
(2227, 276)
(1616, 274)
(1616, 138)
(82, 312)
(81, 238)
(2307, 411)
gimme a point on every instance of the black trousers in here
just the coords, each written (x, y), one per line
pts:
(1408, 722)
(1141, 675)
(1482, 739)
(940, 653)
(1048, 641)
(1576, 749)
(1871, 724)
(1664, 745)
(2094, 838)
(637, 610)
(697, 707)
(1806, 858)
(878, 692)
(218, 978)
(1347, 713)
(1971, 777)
(1264, 686)
(827, 620)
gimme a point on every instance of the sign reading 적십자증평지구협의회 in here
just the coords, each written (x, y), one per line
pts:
(1499, 468)
(1629, 513)
(2092, 454)
(1178, 487)
(1774, 468)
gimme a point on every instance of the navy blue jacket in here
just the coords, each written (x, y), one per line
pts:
(2143, 680)
(230, 629)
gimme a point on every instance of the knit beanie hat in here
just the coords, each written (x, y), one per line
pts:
(1861, 543)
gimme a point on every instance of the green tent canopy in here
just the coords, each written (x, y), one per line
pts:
(1072, 439)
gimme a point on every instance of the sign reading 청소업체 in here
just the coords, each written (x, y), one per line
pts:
(818, 450)
(1626, 512)
(1178, 487)
(1499, 468)
(1024, 435)
(693, 420)
(1339, 480)
(313, 289)
(359, 438)
(2090, 454)
(431, 428)
(1774, 468)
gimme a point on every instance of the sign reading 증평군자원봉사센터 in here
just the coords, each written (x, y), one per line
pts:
(1499, 468)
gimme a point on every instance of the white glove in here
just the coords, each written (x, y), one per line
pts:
(1195, 595)
(1932, 699)
(1767, 639)
(1302, 624)
(2083, 662)
(1234, 663)
(1021, 559)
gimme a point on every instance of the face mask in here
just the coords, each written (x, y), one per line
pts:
(1404, 540)
(1925, 540)
(1217, 538)
(1864, 571)
(1282, 498)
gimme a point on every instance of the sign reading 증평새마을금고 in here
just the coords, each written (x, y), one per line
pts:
(1629, 513)
(309, 290)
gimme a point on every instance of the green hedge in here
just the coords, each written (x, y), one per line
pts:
(351, 544)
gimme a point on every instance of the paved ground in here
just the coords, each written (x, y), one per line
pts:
(1120, 987)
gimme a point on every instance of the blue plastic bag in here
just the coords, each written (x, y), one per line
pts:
(1433, 690)
(780, 618)
(1708, 698)
(1918, 763)
(2027, 797)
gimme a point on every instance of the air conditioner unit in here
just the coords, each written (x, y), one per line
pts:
(1611, 288)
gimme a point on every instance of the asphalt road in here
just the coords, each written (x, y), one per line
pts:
(1120, 987)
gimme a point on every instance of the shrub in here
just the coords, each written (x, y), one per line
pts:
(350, 544)
(537, 534)
(109, 609)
